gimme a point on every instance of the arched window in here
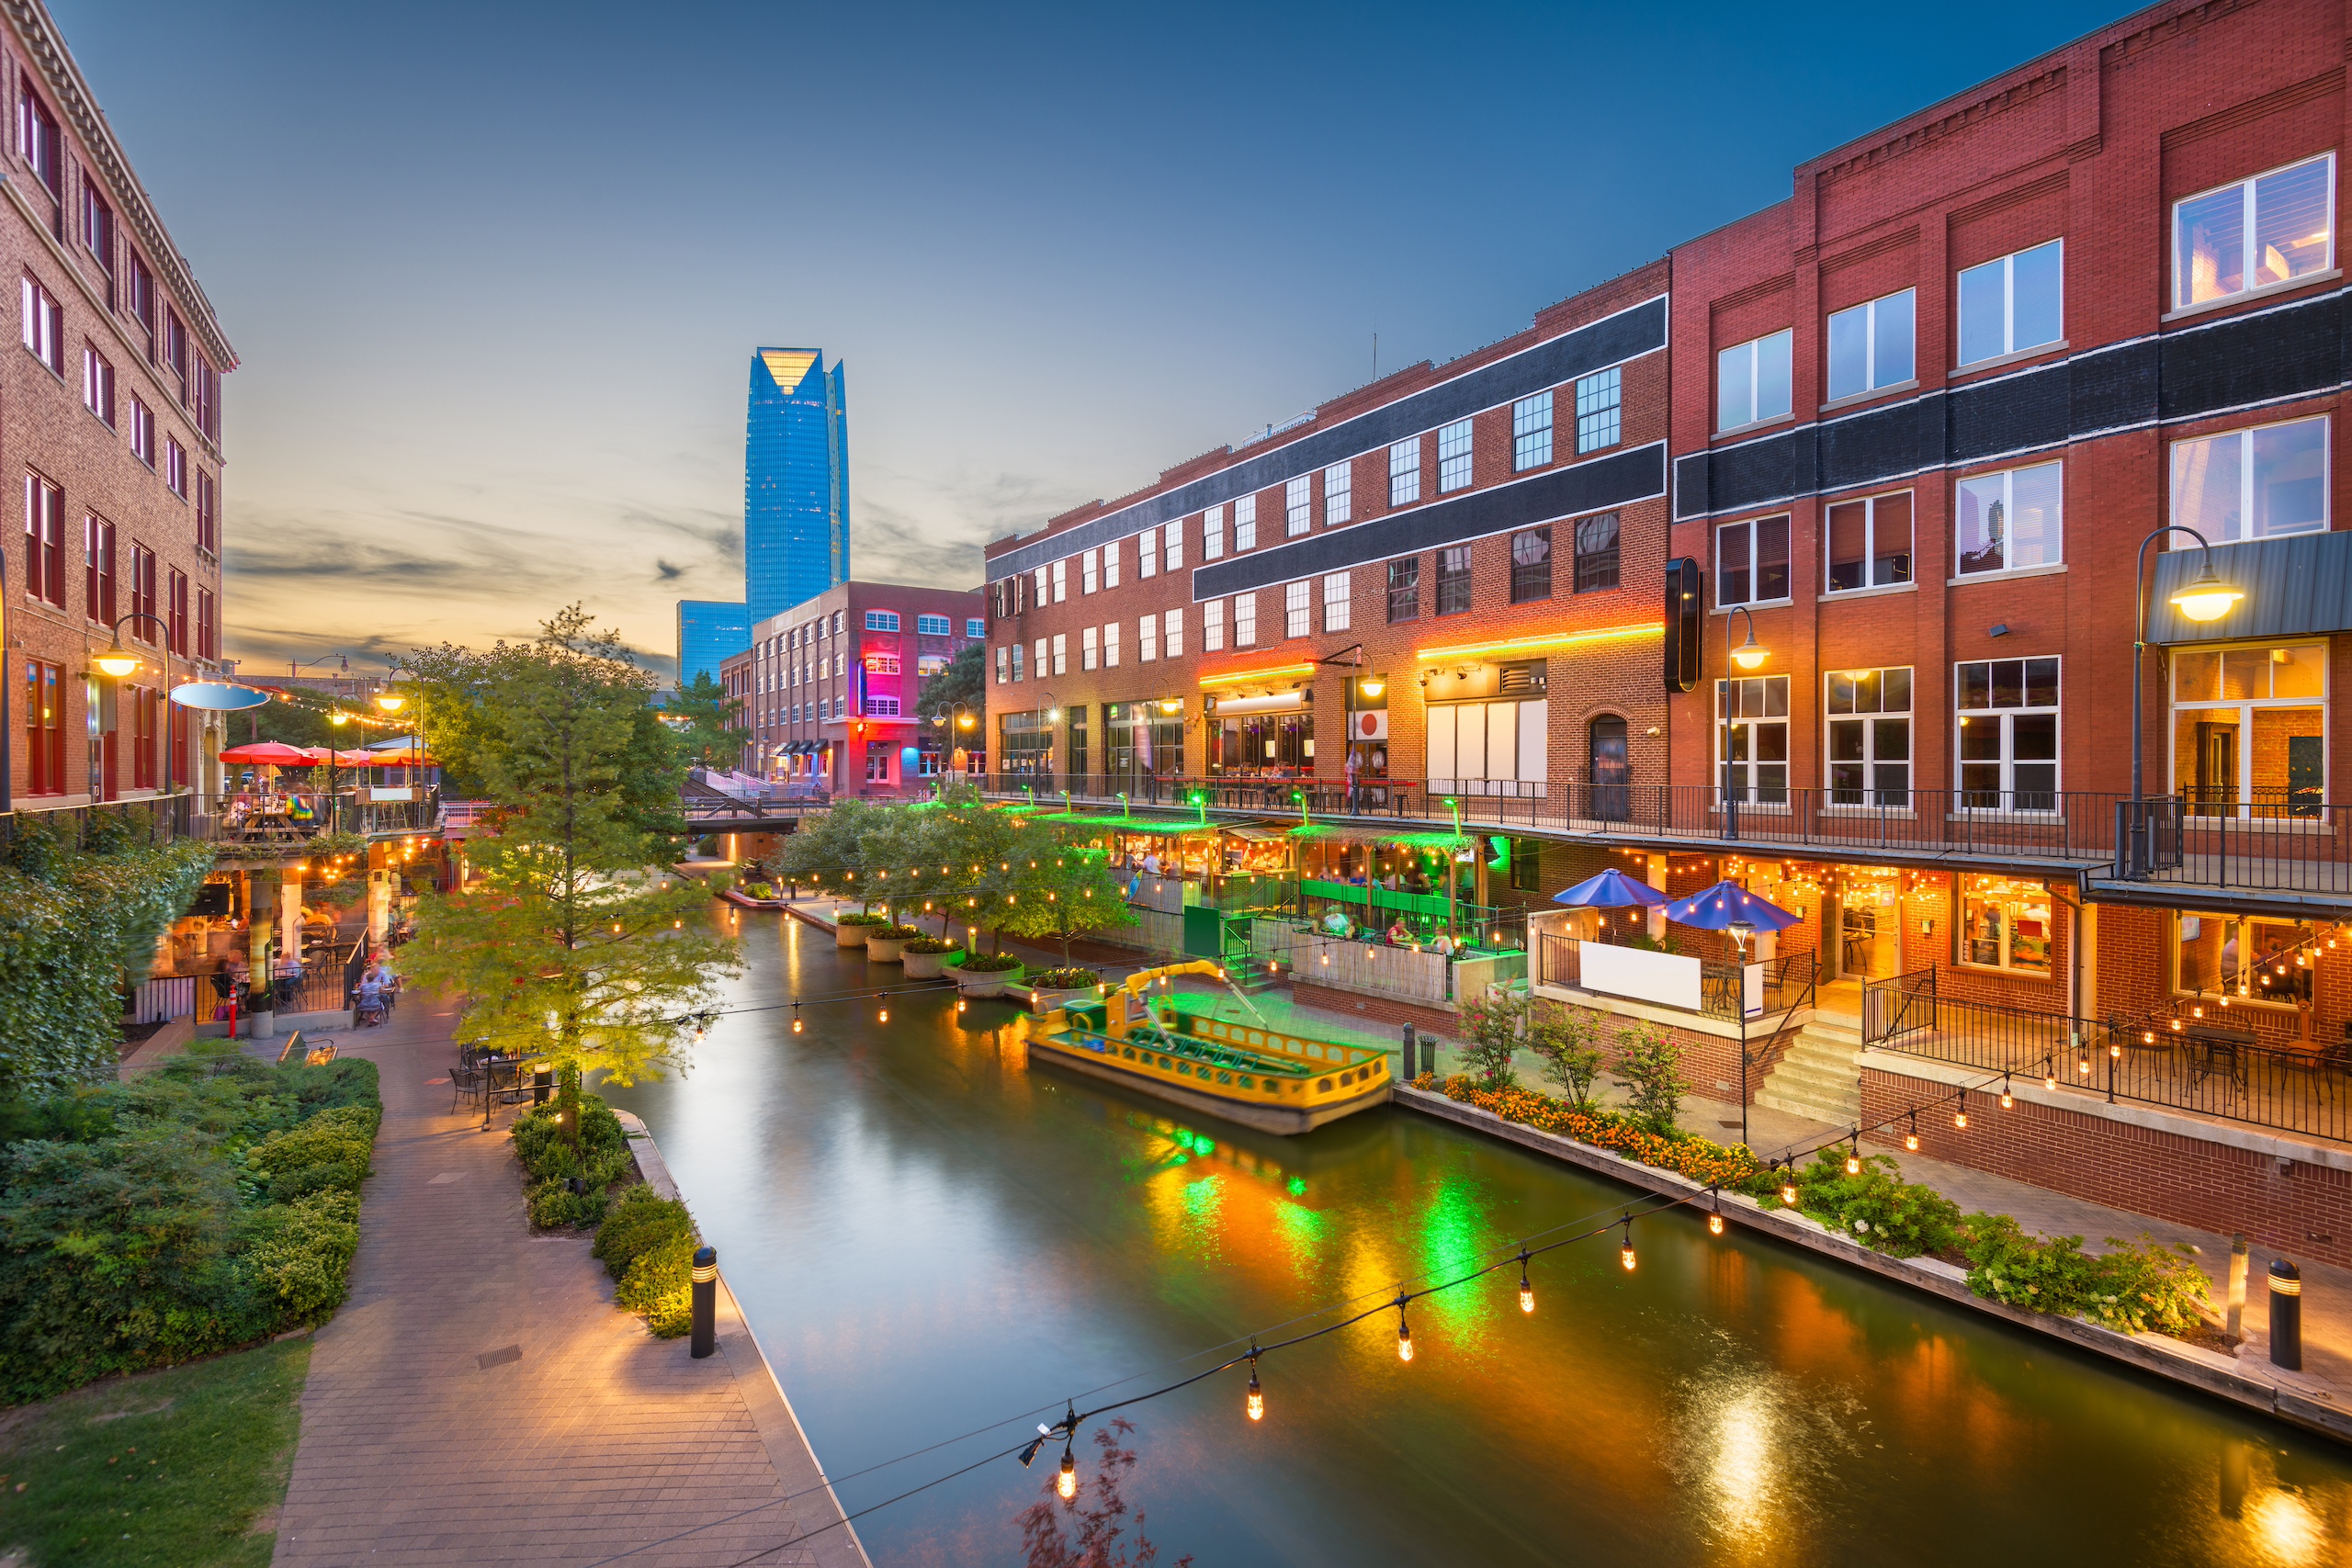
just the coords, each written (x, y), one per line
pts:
(1611, 772)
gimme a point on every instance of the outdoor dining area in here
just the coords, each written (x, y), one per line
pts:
(1620, 957)
(278, 809)
(486, 1079)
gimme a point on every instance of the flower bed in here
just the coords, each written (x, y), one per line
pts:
(1685, 1154)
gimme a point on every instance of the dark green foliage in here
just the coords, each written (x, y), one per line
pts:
(989, 963)
(151, 1232)
(550, 1161)
(710, 723)
(1877, 1207)
(928, 944)
(963, 680)
(2150, 1288)
(1074, 978)
(648, 1244)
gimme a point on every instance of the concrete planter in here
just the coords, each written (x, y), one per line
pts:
(927, 965)
(886, 948)
(850, 936)
(993, 983)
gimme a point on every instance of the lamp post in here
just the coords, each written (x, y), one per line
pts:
(1739, 932)
(1747, 656)
(391, 703)
(2206, 600)
(950, 718)
(119, 661)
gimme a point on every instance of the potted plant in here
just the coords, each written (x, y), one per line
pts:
(850, 931)
(924, 955)
(985, 973)
(885, 944)
(1051, 988)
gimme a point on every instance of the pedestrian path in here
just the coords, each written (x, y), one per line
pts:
(480, 1400)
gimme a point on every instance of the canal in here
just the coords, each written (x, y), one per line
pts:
(930, 1239)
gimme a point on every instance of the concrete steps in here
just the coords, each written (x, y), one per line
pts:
(1819, 1075)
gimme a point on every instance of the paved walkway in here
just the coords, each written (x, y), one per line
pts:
(480, 1399)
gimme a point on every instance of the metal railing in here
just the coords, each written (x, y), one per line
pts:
(2292, 845)
(157, 819)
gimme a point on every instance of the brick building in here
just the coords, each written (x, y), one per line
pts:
(110, 420)
(829, 687)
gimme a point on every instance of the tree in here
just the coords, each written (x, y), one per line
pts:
(574, 944)
(1567, 1041)
(710, 723)
(963, 680)
(1059, 889)
(1651, 1063)
(1491, 1030)
(1097, 1513)
(826, 851)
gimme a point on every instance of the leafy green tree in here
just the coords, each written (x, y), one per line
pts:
(708, 722)
(964, 679)
(1566, 1039)
(1651, 1063)
(1058, 889)
(575, 943)
(826, 851)
(1492, 1030)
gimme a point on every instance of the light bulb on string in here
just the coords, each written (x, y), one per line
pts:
(1625, 1249)
(1526, 1289)
(1854, 1157)
(1404, 1333)
(1911, 1138)
(1257, 1399)
(1960, 1120)
(2008, 1100)
(1066, 1482)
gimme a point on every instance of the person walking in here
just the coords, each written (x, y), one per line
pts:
(1355, 790)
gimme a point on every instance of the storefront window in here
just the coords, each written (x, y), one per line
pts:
(2005, 924)
(1263, 743)
(1141, 742)
(2249, 730)
(2261, 960)
(1028, 747)
(1870, 925)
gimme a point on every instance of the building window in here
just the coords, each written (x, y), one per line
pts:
(2249, 730)
(44, 728)
(1298, 609)
(1752, 381)
(175, 612)
(2005, 924)
(1870, 737)
(2232, 956)
(98, 569)
(1335, 602)
(1752, 562)
(1531, 564)
(97, 233)
(1755, 709)
(1405, 589)
(881, 620)
(44, 325)
(1453, 579)
(44, 540)
(2011, 519)
(1060, 581)
(1111, 564)
(1869, 542)
(1245, 524)
(1596, 547)
(98, 383)
(1090, 571)
(1871, 346)
(1003, 672)
(142, 430)
(1600, 402)
(1212, 534)
(1147, 553)
(142, 299)
(976, 627)
(1088, 651)
(1172, 544)
(934, 625)
(37, 133)
(1061, 653)
(2289, 214)
(175, 467)
(2013, 303)
(1213, 627)
(141, 583)
(1531, 432)
(1245, 620)
(1405, 472)
(1110, 646)
(207, 626)
(2253, 484)
(1020, 663)
(1453, 457)
(2008, 735)
(207, 514)
(1298, 505)
(1338, 494)
(1148, 639)
(1171, 632)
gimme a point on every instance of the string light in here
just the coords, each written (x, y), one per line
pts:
(1854, 1155)
(1256, 1403)
(1911, 1138)
(1404, 1331)
(1960, 1120)
(1526, 1290)
(1715, 1213)
(2008, 1100)
(1066, 1482)
(1625, 1250)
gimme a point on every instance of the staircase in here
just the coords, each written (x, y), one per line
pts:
(1818, 1077)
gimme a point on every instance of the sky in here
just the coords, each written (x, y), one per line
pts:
(495, 271)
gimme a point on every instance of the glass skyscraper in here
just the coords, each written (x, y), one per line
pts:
(709, 631)
(796, 481)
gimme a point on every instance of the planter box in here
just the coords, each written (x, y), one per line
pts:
(886, 948)
(993, 983)
(927, 965)
(850, 936)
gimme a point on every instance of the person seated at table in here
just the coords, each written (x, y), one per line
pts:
(1399, 934)
(1151, 864)
(1444, 946)
(371, 1000)
(298, 810)
(1416, 881)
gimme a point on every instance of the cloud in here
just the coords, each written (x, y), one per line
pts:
(664, 571)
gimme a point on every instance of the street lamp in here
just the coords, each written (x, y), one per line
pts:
(1739, 932)
(1749, 655)
(2206, 600)
(119, 661)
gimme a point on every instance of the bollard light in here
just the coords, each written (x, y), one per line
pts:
(706, 1302)
(2286, 1315)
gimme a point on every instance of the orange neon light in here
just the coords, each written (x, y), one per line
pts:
(1536, 644)
(1272, 672)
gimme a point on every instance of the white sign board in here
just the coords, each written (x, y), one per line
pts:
(1667, 978)
(391, 795)
(1752, 988)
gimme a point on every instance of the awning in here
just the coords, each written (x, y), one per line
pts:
(1280, 702)
(1131, 824)
(1334, 833)
(1259, 832)
(2297, 586)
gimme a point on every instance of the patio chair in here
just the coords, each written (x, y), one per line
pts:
(467, 1081)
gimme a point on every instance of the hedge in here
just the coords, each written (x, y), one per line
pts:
(551, 1163)
(647, 1243)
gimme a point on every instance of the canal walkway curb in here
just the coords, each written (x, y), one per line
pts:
(789, 1450)
(2302, 1402)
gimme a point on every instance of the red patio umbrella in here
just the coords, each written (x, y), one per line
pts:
(271, 754)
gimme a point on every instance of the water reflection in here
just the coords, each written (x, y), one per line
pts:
(931, 1238)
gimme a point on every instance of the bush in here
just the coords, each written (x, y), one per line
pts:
(1491, 1031)
(647, 1243)
(928, 944)
(328, 1153)
(1564, 1038)
(2151, 1288)
(550, 1162)
(1651, 1063)
(1073, 978)
(301, 1254)
(988, 964)
(894, 933)
(861, 920)
(1876, 1207)
(1687, 1154)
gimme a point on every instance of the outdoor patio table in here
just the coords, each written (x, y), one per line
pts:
(2213, 1050)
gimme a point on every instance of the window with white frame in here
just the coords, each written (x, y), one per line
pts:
(1869, 542)
(1338, 494)
(1090, 571)
(976, 627)
(1061, 580)
(1752, 561)
(2008, 734)
(1752, 381)
(2013, 303)
(1213, 627)
(1298, 505)
(1110, 646)
(1090, 648)
(1869, 723)
(881, 620)
(1041, 667)
(1019, 662)
(1405, 472)
(1245, 620)
(1061, 653)
(98, 383)
(1044, 590)
(1147, 553)
(1148, 639)
(882, 708)
(1245, 524)
(1212, 534)
(1334, 602)
(1111, 564)
(2249, 730)
(2011, 519)
(1600, 398)
(1531, 432)
(1298, 609)
(934, 625)
(2253, 484)
(1753, 714)
(1173, 548)
(884, 663)
(1453, 457)
(2255, 233)
(1871, 345)
(1171, 632)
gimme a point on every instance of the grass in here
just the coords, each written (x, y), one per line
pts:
(171, 1468)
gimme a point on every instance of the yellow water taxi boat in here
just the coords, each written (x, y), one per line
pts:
(1167, 1042)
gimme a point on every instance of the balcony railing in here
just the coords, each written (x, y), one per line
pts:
(1788, 979)
(2294, 843)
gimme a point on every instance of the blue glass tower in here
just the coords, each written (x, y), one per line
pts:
(709, 631)
(796, 481)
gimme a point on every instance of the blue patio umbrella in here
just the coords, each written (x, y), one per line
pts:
(1726, 904)
(1612, 889)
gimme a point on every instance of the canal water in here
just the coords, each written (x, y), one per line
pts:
(931, 1240)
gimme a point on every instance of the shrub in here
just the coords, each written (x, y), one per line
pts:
(1877, 1207)
(928, 944)
(328, 1153)
(599, 1159)
(988, 964)
(1564, 1038)
(1075, 978)
(1651, 1063)
(301, 1254)
(867, 919)
(2040, 1273)
(2152, 1288)
(1687, 1154)
(647, 1243)
(1491, 1030)
(2136, 1290)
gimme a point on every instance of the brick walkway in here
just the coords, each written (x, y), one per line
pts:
(480, 1400)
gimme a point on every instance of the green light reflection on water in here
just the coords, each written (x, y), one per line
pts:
(1456, 1238)
(1303, 1234)
(1204, 1228)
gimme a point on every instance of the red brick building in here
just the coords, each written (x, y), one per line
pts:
(830, 687)
(110, 422)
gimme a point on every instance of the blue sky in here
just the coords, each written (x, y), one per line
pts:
(495, 272)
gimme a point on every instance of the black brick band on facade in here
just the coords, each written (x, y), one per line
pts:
(1616, 481)
(2290, 351)
(1613, 340)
